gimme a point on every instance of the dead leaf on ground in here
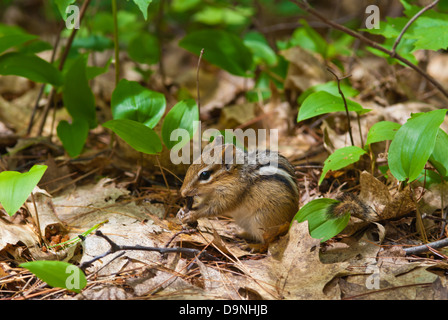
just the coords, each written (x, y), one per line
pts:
(293, 270)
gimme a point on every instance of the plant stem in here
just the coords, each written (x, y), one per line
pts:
(345, 104)
(116, 46)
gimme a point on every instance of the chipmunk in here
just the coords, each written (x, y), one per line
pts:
(257, 189)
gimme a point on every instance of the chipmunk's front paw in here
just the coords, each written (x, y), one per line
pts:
(187, 216)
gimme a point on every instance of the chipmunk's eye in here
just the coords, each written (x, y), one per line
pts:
(204, 175)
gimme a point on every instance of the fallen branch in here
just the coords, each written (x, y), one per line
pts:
(303, 4)
(198, 254)
(426, 247)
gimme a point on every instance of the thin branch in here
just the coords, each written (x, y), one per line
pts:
(115, 248)
(305, 6)
(406, 27)
(425, 247)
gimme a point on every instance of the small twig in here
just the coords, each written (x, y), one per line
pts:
(345, 102)
(406, 27)
(197, 80)
(305, 6)
(425, 247)
(115, 247)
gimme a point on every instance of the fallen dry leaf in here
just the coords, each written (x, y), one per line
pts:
(293, 270)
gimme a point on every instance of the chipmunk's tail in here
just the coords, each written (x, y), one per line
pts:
(350, 202)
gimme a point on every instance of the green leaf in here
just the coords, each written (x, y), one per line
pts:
(12, 40)
(221, 48)
(341, 158)
(31, 67)
(261, 90)
(330, 87)
(77, 95)
(260, 48)
(144, 48)
(143, 6)
(58, 274)
(132, 101)
(182, 116)
(308, 38)
(320, 223)
(428, 31)
(413, 144)
(73, 136)
(15, 187)
(323, 102)
(136, 134)
(439, 156)
(381, 131)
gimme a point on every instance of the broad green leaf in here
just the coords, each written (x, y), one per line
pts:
(9, 41)
(330, 87)
(58, 274)
(308, 38)
(221, 48)
(341, 158)
(413, 144)
(439, 156)
(143, 6)
(260, 48)
(136, 134)
(144, 48)
(132, 101)
(73, 136)
(182, 116)
(31, 67)
(323, 102)
(320, 223)
(77, 95)
(15, 187)
(428, 31)
(381, 131)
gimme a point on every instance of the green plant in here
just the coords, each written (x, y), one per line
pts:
(15, 187)
(58, 274)
(414, 144)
